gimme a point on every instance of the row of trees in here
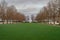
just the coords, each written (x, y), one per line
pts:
(51, 12)
(9, 13)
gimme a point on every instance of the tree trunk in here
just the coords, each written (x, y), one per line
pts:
(7, 21)
(10, 21)
(2, 21)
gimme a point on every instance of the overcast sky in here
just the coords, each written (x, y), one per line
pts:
(28, 6)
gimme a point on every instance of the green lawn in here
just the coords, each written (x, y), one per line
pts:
(29, 31)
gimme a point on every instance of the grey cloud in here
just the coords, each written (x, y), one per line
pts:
(28, 6)
(27, 1)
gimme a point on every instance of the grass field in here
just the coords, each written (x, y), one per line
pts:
(29, 31)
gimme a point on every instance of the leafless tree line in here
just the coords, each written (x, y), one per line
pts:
(50, 12)
(10, 13)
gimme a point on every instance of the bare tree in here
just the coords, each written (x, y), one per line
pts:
(3, 9)
(11, 11)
